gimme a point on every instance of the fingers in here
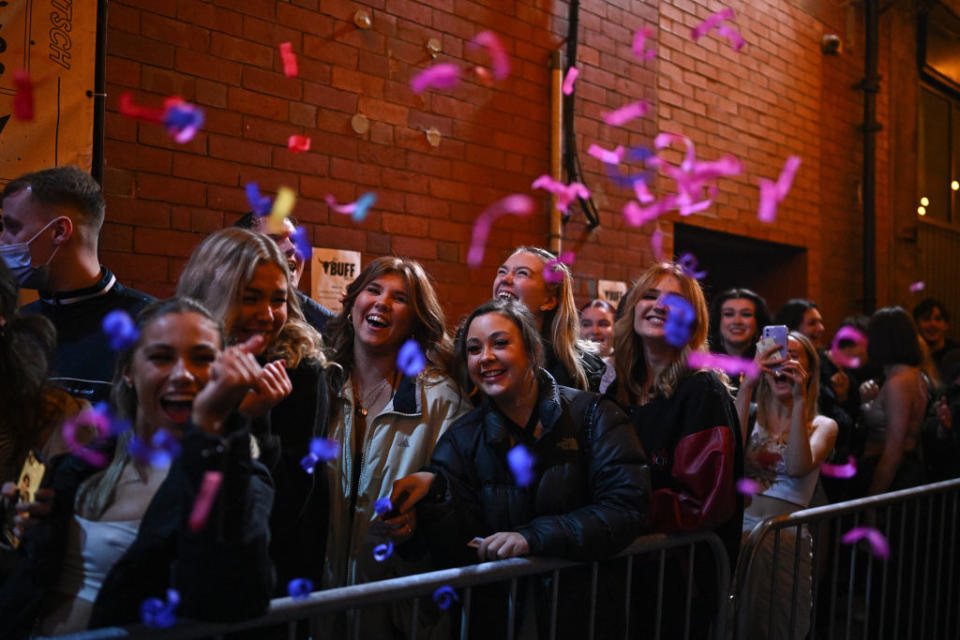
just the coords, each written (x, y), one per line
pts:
(401, 527)
(9, 491)
(505, 544)
(252, 345)
(409, 490)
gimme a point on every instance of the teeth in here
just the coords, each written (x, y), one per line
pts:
(506, 295)
(377, 320)
(490, 374)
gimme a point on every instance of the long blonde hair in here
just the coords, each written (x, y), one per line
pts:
(217, 274)
(561, 325)
(811, 393)
(628, 354)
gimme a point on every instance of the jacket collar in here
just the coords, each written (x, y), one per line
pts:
(406, 400)
(102, 286)
(548, 404)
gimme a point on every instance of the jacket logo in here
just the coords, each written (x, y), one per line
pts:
(403, 441)
(569, 444)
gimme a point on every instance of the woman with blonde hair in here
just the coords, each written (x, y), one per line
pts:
(687, 425)
(387, 417)
(786, 446)
(244, 279)
(571, 361)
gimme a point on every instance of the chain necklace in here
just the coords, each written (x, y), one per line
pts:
(373, 398)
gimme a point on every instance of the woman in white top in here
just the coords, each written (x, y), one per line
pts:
(784, 450)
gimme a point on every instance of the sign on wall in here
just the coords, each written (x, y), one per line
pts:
(55, 42)
(611, 291)
(331, 270)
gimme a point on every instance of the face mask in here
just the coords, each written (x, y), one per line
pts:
(18, 260)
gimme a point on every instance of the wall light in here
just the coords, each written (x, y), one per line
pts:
(955, 185)
(925, 201)
(922, 211)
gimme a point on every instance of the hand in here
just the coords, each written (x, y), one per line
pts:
(401, 527)
(869, 390)
(409, 490)
(273, 385)
(840, 382)
(29, 514)
(767, 362)
(944, 419)
(797, 375)
(233, 373)
(504, 544)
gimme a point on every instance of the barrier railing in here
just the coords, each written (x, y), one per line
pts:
(854, 592)
(654, 549)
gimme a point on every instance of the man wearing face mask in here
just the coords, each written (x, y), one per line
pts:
(51, 226)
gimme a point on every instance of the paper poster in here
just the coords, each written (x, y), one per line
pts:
(331, 270)
(611, 291)
(55, 42)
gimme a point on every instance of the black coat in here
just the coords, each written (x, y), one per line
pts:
(588, 499)
(223, 572)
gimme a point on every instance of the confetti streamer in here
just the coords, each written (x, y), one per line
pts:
(724, 31)
(517, 204)
(300, 588)
(410, 359)
(120, 330)
(298, 144)
(728, 364)
(445, 596)
(382, 551)
(282, 206)
(99, 419)
(605, 155)
(357, 210)
(748, 486)
(289, 60)
(439, 76)
(499, 59)
(680, 318)
(640, 49)
(637, 215)
(656, 244)
(553, 272)
(917, 286)
(260, 205)
(159, 452)
(130, 109)
(321, 449)
(301, 243)
(158, 614)
(521, 465)
(565, 193)
(627, 113)
(843, 471)
(850, 334)
(772, 193)
(23, 99)
(878, 543)
(182, 119)
(688, 262)
(204, 500)
(569, 80)
(382, 506)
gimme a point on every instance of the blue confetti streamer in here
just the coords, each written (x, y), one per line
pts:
(445, 596)
(301, 243)
(362, 205)
(158, 614)
(120, 330)
(383, 506)
(680, 318)
(688, 262)
(521, 465)
(162, 449)
(382, 551)
(260, 205)
(299, 588)
(410, 358)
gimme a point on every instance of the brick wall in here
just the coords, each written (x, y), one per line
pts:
(779, 96)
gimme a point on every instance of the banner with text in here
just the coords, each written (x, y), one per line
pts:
(331, 270)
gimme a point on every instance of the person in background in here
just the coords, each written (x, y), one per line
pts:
(119, 535)
(737, 316)
(803, 316)
(584, 507)
(785, 446)
(596, 326)
(242, 278)
(51, 227)
(313, 312)
(933, 322)
(688, 427)
(941, 428)
(571, 361)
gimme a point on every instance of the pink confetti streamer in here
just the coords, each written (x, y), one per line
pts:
(569, 80)
(209, 487)
(878, 543)
(565, 193)
(772, 193)
(439, 76)
(917, 286)
(636, 215)
(23, 100)
(298, 144)
(728, 364)
(627, 113)
(289, 60)
(853, 335)
(498, 55)
(605, 155)
(843, 471)
(516, 204)
(656, 243)
(357, 210)
(642, 191)
(640, 44)
(748, 486)
(724, 31)
(552, 272)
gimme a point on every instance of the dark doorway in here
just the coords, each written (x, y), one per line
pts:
(776, 271)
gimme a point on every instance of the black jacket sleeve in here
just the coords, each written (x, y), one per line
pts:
(619, 482)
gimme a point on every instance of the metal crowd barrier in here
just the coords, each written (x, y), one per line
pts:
(415, 588)
(854, 594)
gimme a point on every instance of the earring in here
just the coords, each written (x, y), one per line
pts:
(349, 317)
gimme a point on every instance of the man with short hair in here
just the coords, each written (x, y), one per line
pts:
(315, 313)
(51, 226)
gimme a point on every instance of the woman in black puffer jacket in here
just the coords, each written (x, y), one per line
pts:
(587, 494)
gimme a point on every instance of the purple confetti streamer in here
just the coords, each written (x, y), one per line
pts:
(568, 81)
(521, 465)
(120, 330)
(773, 193)
(182, 119)
(640, 49)
(917, 286)
(728, 364)
(843, 471)
(851, 334)
(498, 55)
(382, 551)
(382, 506)
(439, 76)
(878, 543)
(445, 596)
(688, 262)
(100, 419)
(325, 448)
(724, 31)
(300, 588)
(656, 243)
(748, 486)
(680, 317)
(605, 155)
(410, 358)
(627, 113)
(564, 193)
(301, 243)
(516, 204)
(158, 614)
(260, 205)
(162, 449)
(553, 272)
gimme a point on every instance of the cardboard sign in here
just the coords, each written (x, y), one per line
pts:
(611, 291)
(331, 270)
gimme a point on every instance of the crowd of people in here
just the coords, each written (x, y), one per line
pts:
(240, 374)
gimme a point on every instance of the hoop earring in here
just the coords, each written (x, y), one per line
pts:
(350, 317)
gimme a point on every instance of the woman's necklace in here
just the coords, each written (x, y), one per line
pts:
(377, 397)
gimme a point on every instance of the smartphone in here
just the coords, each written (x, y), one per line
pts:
(774, 334)
(28, 481)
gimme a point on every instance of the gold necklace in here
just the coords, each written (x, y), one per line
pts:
(360, 401)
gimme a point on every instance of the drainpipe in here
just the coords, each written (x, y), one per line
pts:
(870, 87)
(556, 147)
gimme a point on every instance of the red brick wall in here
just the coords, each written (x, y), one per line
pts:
(779, 96)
